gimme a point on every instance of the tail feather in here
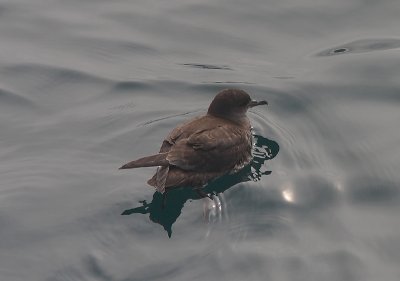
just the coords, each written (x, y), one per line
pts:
(148, 161)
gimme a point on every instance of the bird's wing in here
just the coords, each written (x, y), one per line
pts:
(208, 149)
(177, 133)
(221, 137)
(170, 140)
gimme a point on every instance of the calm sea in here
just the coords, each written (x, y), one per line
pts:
(86, 86)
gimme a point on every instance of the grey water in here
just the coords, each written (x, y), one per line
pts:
(86, 86)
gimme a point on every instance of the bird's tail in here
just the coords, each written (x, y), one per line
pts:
(148, 161)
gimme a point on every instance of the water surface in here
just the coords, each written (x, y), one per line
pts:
(86, 86)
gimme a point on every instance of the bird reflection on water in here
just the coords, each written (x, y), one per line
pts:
(166, 213)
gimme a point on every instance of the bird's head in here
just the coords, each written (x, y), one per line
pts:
(232, 104)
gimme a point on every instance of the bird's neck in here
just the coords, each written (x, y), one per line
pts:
(237, 118)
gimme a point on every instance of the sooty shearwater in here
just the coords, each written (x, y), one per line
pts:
(205, 147)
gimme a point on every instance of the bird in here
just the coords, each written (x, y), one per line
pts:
(205, 147)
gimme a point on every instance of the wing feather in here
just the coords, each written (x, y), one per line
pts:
(208, 150)
(200, 150)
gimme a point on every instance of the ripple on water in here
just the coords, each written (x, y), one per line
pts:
(130, 86)
(229, 83)
(362, 46)
(247, 212)
(310, 192)
(271, 209)
(123, 48)
(344, 264)
(15, 107)
(368, 190)
(207, 66)
(10, 98)
(54, 73)
(53, 86)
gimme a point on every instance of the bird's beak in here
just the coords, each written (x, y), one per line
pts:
(254, 103)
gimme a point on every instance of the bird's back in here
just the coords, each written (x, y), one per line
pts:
(202, 149)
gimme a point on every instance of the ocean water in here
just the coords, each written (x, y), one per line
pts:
(86, 86)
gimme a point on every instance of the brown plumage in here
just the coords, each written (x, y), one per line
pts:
(205, 147)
